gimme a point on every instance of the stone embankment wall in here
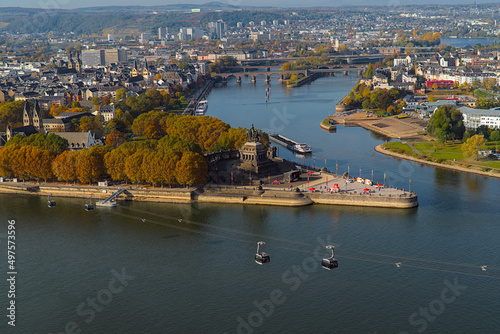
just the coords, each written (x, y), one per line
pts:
(401, 201)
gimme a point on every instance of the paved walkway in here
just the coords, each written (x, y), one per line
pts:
(413, 148)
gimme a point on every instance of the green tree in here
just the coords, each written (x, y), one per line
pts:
(369, 72)
(11, 113)
(495, 135)
(121, 94)
(445, 123)
(473, 145)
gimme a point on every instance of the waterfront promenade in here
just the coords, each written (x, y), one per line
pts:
(283, 194)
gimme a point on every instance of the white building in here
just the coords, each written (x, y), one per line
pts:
(474, 118)
(108, 112)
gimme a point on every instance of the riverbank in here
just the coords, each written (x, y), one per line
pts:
(445, 164)
(392, 127)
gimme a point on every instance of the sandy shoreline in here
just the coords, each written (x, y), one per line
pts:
(455, 166)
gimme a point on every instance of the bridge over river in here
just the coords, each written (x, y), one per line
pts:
(267, 73)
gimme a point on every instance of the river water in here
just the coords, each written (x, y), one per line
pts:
(170, 268)
(461, 42)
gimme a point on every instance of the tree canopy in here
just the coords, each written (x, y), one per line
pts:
(446, 123)
(473, 145)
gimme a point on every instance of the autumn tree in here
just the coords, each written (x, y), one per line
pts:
(6, 155)
(133, 167)
(115, 138)
(90, 164)
(192, 169)
(64, 166)
(473, 145)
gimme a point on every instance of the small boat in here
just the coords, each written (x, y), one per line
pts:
(290, 144)
(201, 108)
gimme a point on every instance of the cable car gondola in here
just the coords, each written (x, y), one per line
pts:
(50, 203)
(89, 206)
(261, 257)
(330, 262)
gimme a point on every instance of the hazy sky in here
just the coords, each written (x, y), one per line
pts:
(67, 4)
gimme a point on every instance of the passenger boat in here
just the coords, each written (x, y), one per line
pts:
(201, 108)
(290, 144)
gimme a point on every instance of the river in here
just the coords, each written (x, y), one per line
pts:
(171, 268)
(462, 42)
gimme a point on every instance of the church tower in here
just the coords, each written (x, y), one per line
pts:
(135, 70)
(27, 120)
(71, 63)
(37, 117)
(78, 63)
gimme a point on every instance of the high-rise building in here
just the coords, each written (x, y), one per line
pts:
(111, 38)
(220, 29)
(115, 56)
(186, 34)
(162, 33)
(145, 37)
(93, 58)
(239, 25)
(276, 22)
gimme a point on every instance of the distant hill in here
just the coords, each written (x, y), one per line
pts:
(131, 19)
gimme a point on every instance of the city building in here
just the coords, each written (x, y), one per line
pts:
(145, 37)
(474, 118)
(162, 33)
(115, 56)
(93, 58)
(186, 34)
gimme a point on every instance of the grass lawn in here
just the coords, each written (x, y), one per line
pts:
(399, 147)
(439, 151)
